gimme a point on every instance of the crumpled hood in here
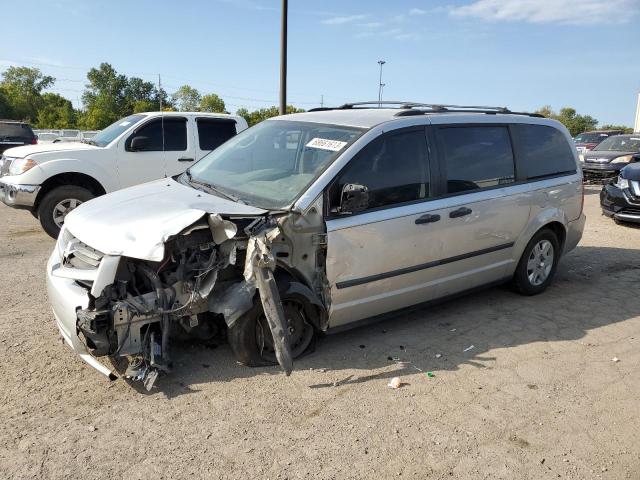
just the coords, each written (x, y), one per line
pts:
(21, 152)
(136, 221)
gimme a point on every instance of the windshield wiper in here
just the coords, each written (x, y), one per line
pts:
(213, 188)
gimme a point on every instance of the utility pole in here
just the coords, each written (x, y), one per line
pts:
(380, 84)
(321, 101)
(283, 59)
(160, 91)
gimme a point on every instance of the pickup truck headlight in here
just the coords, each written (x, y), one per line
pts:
(21, 165)
(623, 159)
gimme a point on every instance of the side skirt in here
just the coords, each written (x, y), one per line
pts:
(413, 308)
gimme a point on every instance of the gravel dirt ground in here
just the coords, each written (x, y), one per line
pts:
(538, 396)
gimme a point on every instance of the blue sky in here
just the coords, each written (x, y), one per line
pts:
(518, 53)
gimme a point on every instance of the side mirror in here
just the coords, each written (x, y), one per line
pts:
(354, 198)
(139, 144)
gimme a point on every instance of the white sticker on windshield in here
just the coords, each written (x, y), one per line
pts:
(635, 139)
(124, 124)
(326, 144)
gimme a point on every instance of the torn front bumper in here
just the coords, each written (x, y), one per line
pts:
(66, 297)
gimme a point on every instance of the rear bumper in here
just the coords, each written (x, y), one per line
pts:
(574, 233)
(66, 297)
(619, 204)
(17, 195)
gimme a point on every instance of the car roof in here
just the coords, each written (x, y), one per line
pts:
(370, 117)
(602, 131)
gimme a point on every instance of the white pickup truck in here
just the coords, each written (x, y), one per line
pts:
(51, 180)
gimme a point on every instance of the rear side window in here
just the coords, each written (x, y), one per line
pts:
(476, 157)
(16, 131)
(214, 132)
(392, 167)
(175, 135)
(543, 151)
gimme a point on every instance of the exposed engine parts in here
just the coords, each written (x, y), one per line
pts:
(211, 275)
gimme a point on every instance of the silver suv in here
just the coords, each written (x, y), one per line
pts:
(316, 221)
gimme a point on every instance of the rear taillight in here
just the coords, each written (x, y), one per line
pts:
(34, 141)
(590, 146)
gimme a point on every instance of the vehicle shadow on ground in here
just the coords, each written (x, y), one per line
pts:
(407, 344)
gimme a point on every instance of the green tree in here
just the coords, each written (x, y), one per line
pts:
(258, 116)
(105, 97)
(212, 103)
(574, 122)
(624, 128)
(110, 96)
(55, 112)
(23, 88)
(138, 92)
(187, 99)
(5, 107)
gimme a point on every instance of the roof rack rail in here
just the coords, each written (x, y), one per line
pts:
(408, 108)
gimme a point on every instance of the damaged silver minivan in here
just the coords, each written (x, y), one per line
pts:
(316, 221)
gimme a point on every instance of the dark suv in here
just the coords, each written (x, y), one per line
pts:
(15, 134)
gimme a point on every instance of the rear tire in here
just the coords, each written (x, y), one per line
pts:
(538, 263)
(57, 203)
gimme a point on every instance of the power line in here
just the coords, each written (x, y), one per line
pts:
(154, 75)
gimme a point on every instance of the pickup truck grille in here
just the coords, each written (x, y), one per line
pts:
(80, 255)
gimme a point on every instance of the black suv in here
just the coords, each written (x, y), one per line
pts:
(15, 134)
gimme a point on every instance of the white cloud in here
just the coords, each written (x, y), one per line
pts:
(392, 32)
(408, 36)
(371, 25)
(417, 11)
(577, 12)
(343, 19)
(363, 35)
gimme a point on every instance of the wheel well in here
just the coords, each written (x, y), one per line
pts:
(76, 179)
(559, 230)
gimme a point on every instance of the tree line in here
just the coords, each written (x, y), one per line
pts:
(109, 96)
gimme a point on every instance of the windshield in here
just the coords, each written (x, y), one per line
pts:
(272, 163)
(591, 137)
(620, 143)
(113, 131)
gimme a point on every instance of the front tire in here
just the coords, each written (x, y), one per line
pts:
(538, 263)
(250, 338)
(57, 204)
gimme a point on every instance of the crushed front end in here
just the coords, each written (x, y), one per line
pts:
(118, 307)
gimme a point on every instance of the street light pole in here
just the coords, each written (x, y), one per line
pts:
(283, 59)
(380, 84)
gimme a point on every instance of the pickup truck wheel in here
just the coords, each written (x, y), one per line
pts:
(250, 338)
(538, 263)
(57, 204)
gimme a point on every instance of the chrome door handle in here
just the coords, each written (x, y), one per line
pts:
(460, 212)
(428, 218)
